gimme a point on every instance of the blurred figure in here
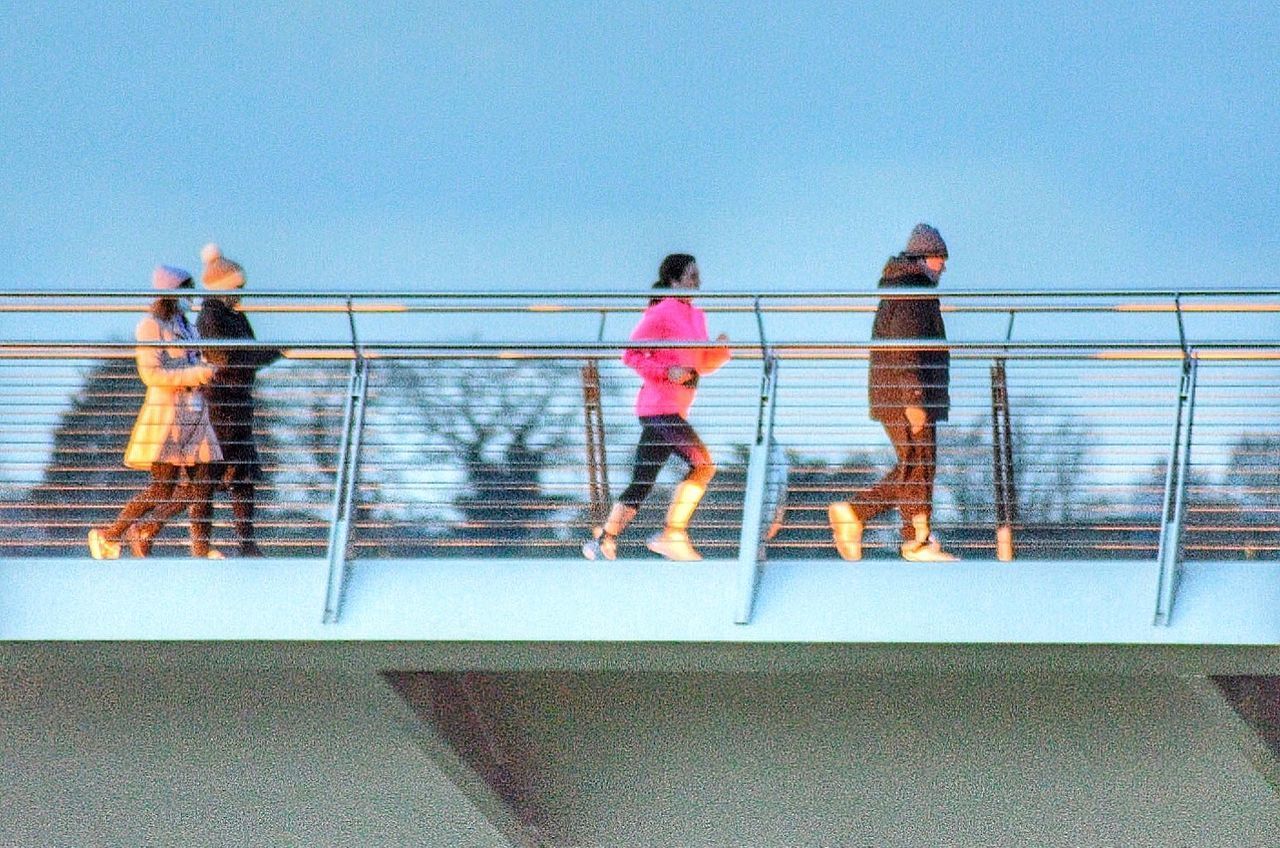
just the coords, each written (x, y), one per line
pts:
(172, 434)
(908, 393)
(230, 393)
(670, 383)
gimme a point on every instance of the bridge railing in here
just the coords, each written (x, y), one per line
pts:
(1136, 426)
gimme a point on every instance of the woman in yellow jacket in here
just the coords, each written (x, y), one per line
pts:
(172, 433)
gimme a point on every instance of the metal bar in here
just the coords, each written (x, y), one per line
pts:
(516, 349)
(1169, 553)
(750, 549)
(631, 294)
(336, 557)
(594, 442)
(348, 470)
(344, 479)
(1001, 462)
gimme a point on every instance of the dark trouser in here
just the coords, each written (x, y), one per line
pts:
(661, 436)
(164, 498)
(232, 417)
(240, 482)
(909, 484)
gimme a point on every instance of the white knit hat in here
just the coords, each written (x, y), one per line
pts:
(220, 273)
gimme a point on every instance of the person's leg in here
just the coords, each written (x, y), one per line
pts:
(239, 479)
(673, 542)
(917, 500)
(104, 543)
(141, 536)
(243, 495)
(200, 498)
(651, 452)
(686, 442)
(849, 519)
(917, 483)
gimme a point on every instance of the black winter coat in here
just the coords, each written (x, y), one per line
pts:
(230, 392)
(913, 376)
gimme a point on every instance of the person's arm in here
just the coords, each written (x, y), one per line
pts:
(710, 359)
(257, 357)
(155, 367)
(239, 357)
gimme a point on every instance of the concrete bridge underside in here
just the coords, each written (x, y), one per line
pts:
(114, 744)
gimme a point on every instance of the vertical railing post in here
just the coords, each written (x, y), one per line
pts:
(750, 549)
(345, 473)
(1006, 499)
(1174, 507)
(1169, 555)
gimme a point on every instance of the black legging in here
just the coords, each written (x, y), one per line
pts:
(909, 484)
(661, 436)
(164, 498)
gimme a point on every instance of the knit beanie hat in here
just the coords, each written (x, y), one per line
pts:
(167, 278)
(925, 241)
(220, 273)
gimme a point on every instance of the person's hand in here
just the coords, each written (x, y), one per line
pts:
(916, 418)
(680, 375)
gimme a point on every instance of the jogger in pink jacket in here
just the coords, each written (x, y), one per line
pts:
(670, 382)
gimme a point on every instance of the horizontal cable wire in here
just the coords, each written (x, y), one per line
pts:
(466, 451)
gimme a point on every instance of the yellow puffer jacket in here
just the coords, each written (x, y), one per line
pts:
(173, 424)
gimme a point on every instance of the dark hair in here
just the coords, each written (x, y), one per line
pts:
(164, 308)
(671, 269)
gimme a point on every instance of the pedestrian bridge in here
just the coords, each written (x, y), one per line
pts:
(433, 462)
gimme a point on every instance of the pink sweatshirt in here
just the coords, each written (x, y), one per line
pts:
(671, 319)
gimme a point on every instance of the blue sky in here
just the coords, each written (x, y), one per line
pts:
(570, 145)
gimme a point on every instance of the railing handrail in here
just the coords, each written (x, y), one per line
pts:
(523, 334)
(648, 293)
(499, 302)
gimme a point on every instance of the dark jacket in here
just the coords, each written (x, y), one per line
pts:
(908, 377)
(230, 392)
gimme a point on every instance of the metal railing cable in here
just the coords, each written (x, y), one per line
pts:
(475, 447)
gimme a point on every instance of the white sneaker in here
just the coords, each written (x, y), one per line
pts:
(674, 545)
(601, 547)
(846, 530)
(100, 547)
(929, 550)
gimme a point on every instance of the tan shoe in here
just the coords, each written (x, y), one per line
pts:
(100, 547)
(929, 550)
(846, 530)
(674, 545)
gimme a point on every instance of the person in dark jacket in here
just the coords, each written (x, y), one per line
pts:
(230, 393)
(908, 394)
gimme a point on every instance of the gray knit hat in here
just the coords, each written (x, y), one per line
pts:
(925, 241)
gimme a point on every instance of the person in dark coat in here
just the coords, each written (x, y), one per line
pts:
(230, 393)
(908, 393)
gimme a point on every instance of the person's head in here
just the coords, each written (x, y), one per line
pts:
(167, 278)
(678, 271)
(925, 244)
(220, 273)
